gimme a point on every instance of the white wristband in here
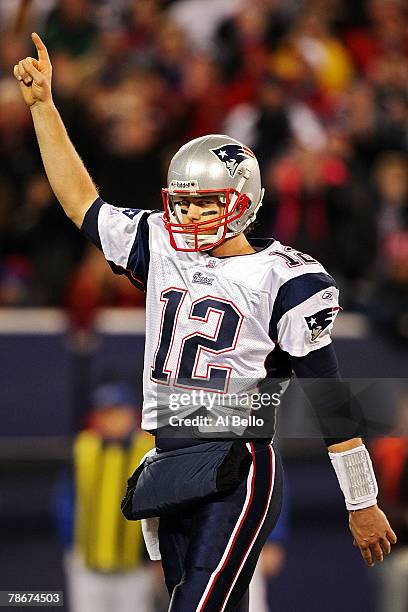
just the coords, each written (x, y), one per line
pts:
(356, 477)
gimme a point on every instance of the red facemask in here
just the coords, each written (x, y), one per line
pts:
(195, 236)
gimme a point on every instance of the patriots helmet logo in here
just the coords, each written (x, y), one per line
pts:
(319, 321)
(232, 155)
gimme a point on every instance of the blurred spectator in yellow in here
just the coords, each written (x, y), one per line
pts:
(386, 31)
(105, 566)
(312, 52)
(390, 456)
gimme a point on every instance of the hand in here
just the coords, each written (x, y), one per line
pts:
(272, 559)
(372, 533)
(34, 76)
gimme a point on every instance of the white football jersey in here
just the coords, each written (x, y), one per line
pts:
(221, 324)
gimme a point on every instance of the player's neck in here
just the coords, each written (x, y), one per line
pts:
(238, 245)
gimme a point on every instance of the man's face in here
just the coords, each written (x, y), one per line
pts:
(114, 422)
(193, 209)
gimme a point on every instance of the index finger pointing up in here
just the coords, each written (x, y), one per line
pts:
(41, 48)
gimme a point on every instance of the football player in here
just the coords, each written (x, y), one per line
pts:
(222, 310)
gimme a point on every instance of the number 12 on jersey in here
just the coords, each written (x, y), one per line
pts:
(223, 340)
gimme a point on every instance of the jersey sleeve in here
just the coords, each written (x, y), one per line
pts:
(304, 312)
(122, 234)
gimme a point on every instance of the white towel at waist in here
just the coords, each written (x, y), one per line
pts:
(150, 530)
(150, 527)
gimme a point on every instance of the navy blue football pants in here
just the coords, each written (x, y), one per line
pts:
(209, 553)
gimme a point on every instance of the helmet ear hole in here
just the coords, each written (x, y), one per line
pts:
(243, 202)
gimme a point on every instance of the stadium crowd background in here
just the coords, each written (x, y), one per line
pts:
(318, 89)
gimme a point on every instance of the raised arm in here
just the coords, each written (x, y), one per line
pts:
(68, 177)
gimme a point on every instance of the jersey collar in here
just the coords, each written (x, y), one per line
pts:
(259, 244)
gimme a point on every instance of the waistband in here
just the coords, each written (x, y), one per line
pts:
(166, 439)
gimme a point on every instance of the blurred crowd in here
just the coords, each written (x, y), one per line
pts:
(318, 89)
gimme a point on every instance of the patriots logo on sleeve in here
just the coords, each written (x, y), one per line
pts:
(232, 155)
(319, 321)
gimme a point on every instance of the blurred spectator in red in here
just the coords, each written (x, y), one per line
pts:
(386, 32)
(308, 184)
(12, 49)
(202, 114)
(94, 285)
(143, 22)
(390, 456)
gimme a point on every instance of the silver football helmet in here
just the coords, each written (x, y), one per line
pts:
(212, 165)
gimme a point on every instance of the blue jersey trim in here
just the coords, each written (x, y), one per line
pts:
(137, 268)
(90, 223)
(259, 244)
(139, 258)
(295, 291)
